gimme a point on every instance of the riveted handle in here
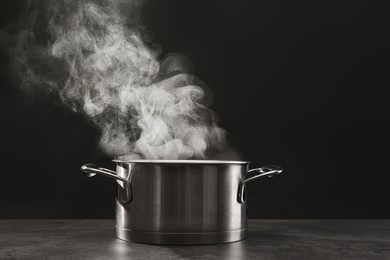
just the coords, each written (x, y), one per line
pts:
(90, 170)
(265, 171)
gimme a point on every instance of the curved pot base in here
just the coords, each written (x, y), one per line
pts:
(181, 238)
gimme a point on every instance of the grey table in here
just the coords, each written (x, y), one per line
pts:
(267, 239)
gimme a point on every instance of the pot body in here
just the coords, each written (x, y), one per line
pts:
(185, 203)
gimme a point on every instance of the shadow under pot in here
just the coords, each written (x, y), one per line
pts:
(181, 201)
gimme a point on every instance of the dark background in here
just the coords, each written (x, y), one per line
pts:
(301, 84)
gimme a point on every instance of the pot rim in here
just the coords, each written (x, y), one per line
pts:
(181, 162)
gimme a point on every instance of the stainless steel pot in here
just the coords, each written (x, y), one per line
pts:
(181, 201)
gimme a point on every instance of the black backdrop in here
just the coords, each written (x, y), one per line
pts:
(301, 84)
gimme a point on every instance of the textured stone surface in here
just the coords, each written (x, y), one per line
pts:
(267, 239)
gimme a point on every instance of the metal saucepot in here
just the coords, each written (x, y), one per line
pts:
(181, 201)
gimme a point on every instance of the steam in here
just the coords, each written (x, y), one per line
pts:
(100, 63)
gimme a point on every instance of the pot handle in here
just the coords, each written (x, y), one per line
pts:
(265, 171)
(90, 170)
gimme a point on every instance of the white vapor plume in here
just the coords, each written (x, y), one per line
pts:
(100, 63)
